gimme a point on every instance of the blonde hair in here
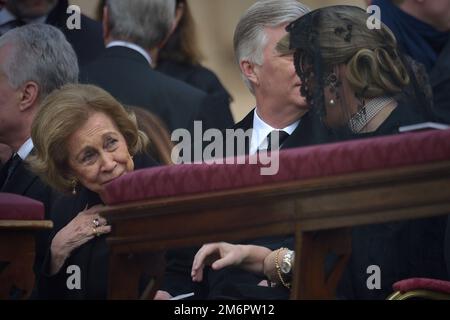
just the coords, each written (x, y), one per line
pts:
(60, 115)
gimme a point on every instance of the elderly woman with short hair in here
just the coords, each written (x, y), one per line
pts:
(84, 139)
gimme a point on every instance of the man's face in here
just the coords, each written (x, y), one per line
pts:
(277, 79)
(30, 8)
(9, 101)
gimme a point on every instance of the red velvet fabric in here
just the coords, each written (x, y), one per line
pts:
(17, 207)
(422, 284)
(294, 164)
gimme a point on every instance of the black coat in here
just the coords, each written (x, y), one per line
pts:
(195, 75)
(217, 112)
(26, 183)
(403, 249)
(91, 257)
(447, 248)
(440, 82)
(126, 74)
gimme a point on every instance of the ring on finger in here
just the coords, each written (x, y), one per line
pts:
(96, 232)
(96, 223)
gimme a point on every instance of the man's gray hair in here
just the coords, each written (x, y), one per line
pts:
(143, 22)
(40, 53)
(250, 38)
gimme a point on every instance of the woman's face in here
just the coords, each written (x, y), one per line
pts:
(98, 153)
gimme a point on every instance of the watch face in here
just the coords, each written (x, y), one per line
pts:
(285, 267)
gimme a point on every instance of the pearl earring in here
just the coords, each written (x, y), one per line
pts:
(332, 102)
(74, 187)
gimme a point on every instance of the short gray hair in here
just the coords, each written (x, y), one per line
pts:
(143, 22)
(40, 53)
(250, 37)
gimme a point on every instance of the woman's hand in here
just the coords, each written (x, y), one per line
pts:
(218, 255)
(85, 226)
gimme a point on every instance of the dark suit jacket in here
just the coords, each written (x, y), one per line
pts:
(447, 248)
(87, 41)
(219, 113)
(440, 82)
(403, 249)
(196, 75)
(26, 183)
(126, 74)
(310, 131)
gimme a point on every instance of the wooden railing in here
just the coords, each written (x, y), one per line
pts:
(320, 212)
(17, 253)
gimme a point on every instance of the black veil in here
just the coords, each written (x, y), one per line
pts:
(329, 37)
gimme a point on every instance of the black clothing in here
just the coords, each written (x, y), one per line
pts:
(24, 182)
(127, 75)
(86, 41)
(234, 283)
(195, 75)
(401, 249)
(91, 257)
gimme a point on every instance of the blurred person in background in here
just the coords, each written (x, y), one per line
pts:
(86, 41)
(422, 29)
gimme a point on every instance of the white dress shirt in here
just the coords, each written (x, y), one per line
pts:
(25, 149)
(260, 131)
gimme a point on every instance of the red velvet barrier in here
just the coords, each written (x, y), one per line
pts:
(17, 207)
(422, 284)
(301, 163)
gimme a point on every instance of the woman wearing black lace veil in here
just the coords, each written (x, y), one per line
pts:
(355, 77)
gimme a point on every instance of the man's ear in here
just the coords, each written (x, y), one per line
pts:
(29, 95)
(105, 24)
(250, 70)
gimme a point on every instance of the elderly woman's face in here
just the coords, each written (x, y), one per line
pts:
(98, 153)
